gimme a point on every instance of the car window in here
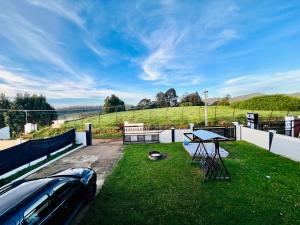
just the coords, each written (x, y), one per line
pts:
(60, 190)
(37, 212)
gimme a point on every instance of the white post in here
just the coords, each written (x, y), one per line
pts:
(205, 107)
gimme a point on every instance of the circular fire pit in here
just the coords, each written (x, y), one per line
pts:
(156, 155)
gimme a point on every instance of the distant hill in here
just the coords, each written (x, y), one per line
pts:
(297, 94)
(77, 108)
(210, 101)
(269, 102)
(256, 94)
(245, 97)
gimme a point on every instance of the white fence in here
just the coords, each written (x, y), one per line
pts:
(285, 146)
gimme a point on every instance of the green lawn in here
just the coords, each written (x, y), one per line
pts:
(140, 191)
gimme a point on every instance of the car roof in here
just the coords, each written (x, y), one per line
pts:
(16, 195)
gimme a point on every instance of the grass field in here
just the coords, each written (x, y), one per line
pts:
(175, 115)
(140, 191)
(106, 125)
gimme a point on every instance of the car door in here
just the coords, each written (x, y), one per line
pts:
(38, 212)
(64, 201)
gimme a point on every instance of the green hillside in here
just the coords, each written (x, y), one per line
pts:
(106, 125)
(269, 102)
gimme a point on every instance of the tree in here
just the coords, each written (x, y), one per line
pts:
(113, 104)
(160, 99)
(193, 98)
(144, 103)
(16, 120)
(224, 101)
(171, 97)
(4, 104)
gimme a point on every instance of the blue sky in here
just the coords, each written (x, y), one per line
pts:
(78, 52)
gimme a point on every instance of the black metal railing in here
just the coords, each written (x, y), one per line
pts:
(141, 137)
(281, 127)
(226, 131)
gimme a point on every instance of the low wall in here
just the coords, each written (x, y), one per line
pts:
(257, 137)
(285, 146)
(4, 133)
(81, 138)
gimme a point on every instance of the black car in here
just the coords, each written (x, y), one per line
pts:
(51, 200)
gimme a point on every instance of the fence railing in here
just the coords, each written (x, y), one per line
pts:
(281, 127)
(226, 131)
(31, 150)
(105, 121)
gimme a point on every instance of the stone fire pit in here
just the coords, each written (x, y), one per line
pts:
(156, 155)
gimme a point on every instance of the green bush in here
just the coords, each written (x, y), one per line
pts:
(269, 102)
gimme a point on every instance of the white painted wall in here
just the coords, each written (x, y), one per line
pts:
(30, 127)
(286, 146)
(179, 134)
(257, 137)
(165, 136)
(80, 138)
(4, 133)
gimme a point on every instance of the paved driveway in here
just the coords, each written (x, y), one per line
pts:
(101, 156)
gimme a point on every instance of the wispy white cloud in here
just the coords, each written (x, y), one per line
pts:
(62, 88)
(177, 47)
(276, 82)
(34, 42)
(62, 8)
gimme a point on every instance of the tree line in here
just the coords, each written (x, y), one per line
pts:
(17, 119)
(162, 99)
(170, 99)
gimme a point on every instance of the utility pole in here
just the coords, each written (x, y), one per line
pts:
(205, 107)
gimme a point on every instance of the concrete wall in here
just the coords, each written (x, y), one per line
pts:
(179, 137)
(165, 136)
(4, 133)
(257, 137)
(286, 146)
(81, 138)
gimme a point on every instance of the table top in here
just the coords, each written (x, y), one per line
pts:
(205, 135)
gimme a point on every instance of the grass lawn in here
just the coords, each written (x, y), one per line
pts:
(140, 191)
